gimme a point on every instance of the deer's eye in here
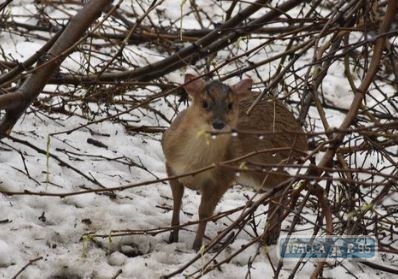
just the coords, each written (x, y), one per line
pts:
(230, 106)
(205, 105)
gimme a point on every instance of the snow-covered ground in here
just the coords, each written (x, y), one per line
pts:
(53, 228)
(58, 233)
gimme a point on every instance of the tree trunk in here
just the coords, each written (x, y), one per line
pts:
(17, 102)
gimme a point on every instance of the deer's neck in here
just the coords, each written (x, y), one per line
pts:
(193, 147)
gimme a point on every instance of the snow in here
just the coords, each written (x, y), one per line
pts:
(59, 229)
(62, 230)
(5, 254)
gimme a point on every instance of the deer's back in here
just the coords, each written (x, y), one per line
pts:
(275, 127)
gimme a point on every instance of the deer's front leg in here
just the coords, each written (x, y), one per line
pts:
(211, 194)
(177, 190)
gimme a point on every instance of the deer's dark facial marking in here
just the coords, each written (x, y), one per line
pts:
(218, 102)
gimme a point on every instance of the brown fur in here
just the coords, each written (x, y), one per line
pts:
(187, 146)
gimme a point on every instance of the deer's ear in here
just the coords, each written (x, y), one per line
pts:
(243, 87)
(193, 85)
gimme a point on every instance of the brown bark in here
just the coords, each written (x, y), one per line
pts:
(16, 103)
(214, 41)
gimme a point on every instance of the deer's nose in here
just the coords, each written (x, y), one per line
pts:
(218, 124)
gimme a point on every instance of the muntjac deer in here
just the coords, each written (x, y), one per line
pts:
(216, 108)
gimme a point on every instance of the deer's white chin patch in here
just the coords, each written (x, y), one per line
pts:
(226, 129)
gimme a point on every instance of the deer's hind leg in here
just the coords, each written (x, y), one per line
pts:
(274, 220)
(276, 208)
(276, 204)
